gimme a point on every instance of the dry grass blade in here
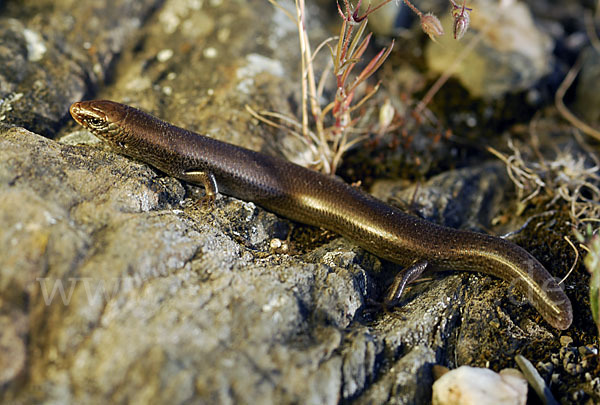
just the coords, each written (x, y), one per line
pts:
(590, 28)
(449, 71)
(357, 37)
(365, 98)
(574, 261)
(373, 65)
(562, 108)
(330, 130)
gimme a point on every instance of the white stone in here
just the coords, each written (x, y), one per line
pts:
(480, 386)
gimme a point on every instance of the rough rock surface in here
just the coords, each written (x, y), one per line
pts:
(116, 287)
(110, 284)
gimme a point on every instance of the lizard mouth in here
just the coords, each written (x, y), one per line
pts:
(75, 111)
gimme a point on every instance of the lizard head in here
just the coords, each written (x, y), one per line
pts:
(105, 119)
(99, 116)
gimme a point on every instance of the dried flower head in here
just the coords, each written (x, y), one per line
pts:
(431, 25)
(462, 18)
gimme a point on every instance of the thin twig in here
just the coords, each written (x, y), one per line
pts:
(413, 8)
(574, 262)
(562, 108)
(526, 224)
(449, 71)
(590, 29)
(287, 13)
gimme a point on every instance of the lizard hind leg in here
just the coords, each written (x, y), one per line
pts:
(207, 179)
(402, 279)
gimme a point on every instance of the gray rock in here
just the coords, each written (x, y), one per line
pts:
(153, 292)
(65, 50)
(407, 381)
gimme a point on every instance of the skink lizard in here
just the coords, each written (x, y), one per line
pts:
(313, 198)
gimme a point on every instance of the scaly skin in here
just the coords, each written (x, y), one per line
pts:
(313, 198)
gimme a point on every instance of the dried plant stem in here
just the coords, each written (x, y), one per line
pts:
(303, 39)
(590, 28)
(574, 261)
(449, 71)
(413, 8)
(330, 130)
(562, 108)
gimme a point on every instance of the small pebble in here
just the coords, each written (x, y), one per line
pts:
(596, 385)
(210, 53)
(278, 246)
(585, 363)
(566, 340)
(164, 55)
(573, 369)
(569, 367)
(471, 385)
(578, 395)
(545, 368)
(587, 350)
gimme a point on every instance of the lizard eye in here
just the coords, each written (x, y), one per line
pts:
(95, 122)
